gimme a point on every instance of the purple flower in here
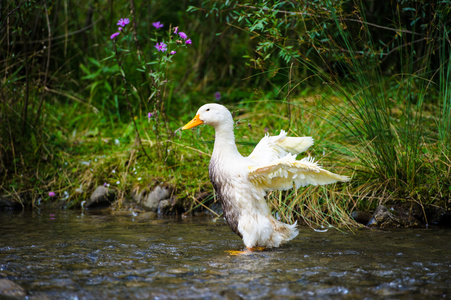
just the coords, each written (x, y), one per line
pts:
(172, 52)
(161, 47)
(51, 194)
(188, 42)
(123, 22)
(120, 28)
(149, 115)
(176, 29)
(183, 35)
(217, 95)
(114, 35)
(157, 25)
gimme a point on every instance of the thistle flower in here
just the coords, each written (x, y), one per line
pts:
(188, 42)
(123, 22)
(157, 25)
(114, 35)
(161, 47)
(183, 35)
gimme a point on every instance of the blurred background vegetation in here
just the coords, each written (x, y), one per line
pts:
(370, 82)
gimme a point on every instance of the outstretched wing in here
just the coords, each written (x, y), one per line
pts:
(281, 174)
(271, 148)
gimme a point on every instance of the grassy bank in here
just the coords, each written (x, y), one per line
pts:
(100, 155)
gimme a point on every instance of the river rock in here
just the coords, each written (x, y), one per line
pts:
(409, 214)
(438, 216)
(11, 289)
(361, 217)
(164, 206)
(382, 217)
(8, 204)
(150, 199)
(445, 219)
(101, 198)
(149, 215)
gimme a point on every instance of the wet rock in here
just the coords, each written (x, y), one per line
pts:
(445, 219)
(174, 205)
(150, 200)
(101, 198)
(10, 289)
(150, 215)
(382, 217)
(438, 216)
(9, 204)
(361, 217)
(164, 206)
(410, 214)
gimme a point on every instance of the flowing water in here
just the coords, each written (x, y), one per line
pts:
(68, 255)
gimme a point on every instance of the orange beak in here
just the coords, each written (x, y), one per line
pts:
(193, 123)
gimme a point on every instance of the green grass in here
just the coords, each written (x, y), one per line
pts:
(100, 151)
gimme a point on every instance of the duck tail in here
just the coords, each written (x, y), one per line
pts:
(283, 232)
(288, 231)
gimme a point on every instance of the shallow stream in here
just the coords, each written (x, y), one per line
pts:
(68, 255)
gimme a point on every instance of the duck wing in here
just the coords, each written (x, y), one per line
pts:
(271, 148)
(282, 173)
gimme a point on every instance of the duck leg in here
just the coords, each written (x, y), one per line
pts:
(245, 252)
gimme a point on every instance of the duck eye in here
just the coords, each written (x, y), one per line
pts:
(208, 109)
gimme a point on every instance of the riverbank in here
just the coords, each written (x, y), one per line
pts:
(97, 160)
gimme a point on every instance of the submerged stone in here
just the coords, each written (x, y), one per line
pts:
(150, 199)
(150, 215)
(101, 198)
(164, 206)
(9, 204)
(382, 217)
(10, 289)
(361, 217)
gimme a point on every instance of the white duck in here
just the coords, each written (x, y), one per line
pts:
(241, 182)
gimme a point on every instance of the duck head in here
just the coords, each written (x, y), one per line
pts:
(211, 114)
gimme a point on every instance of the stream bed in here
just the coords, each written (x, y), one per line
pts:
(73, 255)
